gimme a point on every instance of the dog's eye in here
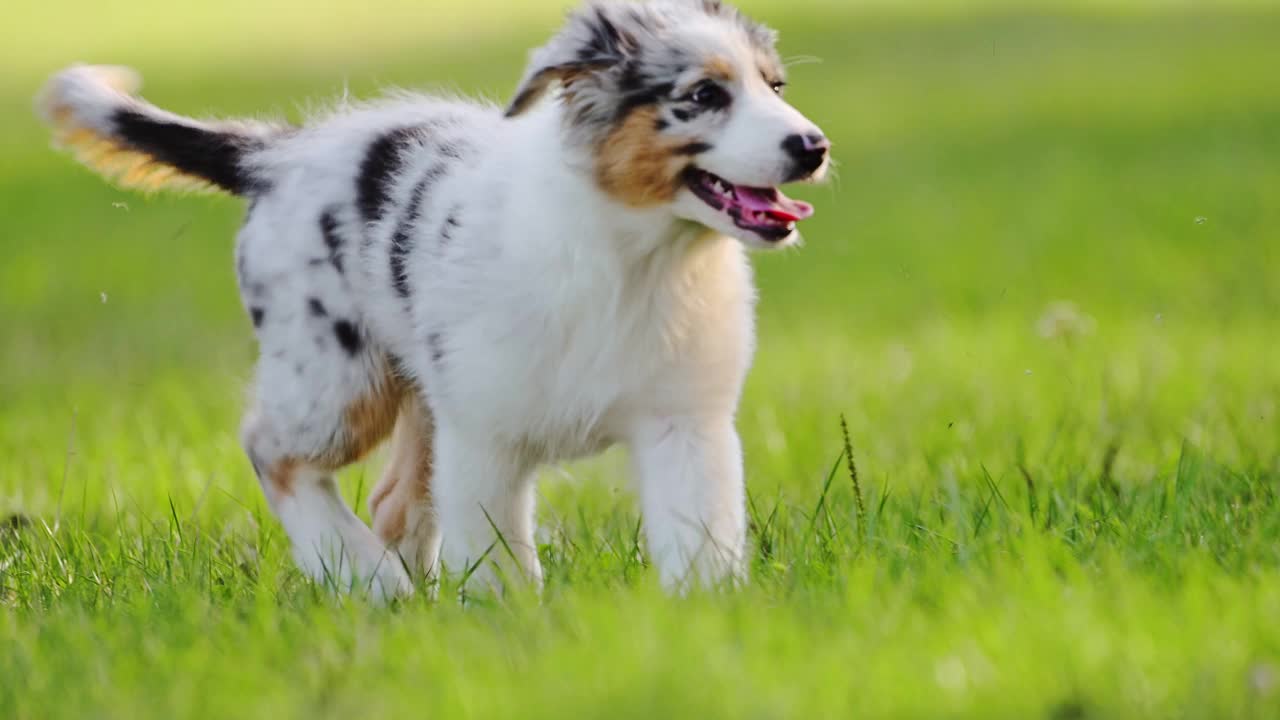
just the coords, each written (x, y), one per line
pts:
(777, 86)
(709, 94)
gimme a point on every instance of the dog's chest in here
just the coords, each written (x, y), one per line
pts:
(565, 369)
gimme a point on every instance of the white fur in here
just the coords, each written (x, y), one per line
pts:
(552, 322)
(332, 545)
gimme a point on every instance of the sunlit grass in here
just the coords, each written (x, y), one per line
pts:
(1044, 292)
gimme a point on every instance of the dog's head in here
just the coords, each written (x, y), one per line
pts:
(680, 104)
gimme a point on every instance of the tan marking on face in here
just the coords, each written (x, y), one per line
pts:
(406, 481)
(718, 68)
(636, 165)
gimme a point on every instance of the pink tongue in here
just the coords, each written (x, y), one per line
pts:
(773, 203)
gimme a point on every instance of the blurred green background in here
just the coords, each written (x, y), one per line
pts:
(1051, 251)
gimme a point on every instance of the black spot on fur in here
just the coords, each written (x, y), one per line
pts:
(450, 224)
(207, 154)
(316, 307)
(682, 115)
(642, 97)
(332, 239)
(402, 238)
(377, 172)
(632, 79)
(435, 344)
(398, 366)
(348, 336)
(257, 314)
(640, 83)
(242, 269)
(661, 124)
(605, 42)
(400, 247)
(693, 148)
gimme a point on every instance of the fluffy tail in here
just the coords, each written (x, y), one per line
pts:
(93, 112)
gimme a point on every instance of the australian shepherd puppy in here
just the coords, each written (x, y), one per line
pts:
(498, 289)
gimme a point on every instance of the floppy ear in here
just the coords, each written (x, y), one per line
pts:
(589, 44)
(536, 85)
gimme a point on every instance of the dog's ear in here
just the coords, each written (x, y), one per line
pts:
(590, 43)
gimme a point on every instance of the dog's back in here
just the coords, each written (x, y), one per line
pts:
(322, 256)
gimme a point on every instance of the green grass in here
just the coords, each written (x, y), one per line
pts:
(1078, 525)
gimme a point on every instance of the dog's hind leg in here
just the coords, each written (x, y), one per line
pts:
(325, 393)
(403, 511)
(297, 441)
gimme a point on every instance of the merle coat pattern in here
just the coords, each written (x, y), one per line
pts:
(504, 289)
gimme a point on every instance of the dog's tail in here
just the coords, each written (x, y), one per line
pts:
(94, 113)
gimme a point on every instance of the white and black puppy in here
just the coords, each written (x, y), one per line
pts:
(504, 289)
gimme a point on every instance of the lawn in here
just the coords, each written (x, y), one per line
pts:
(1043, 292)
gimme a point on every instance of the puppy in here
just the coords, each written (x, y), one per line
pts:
(504, 289)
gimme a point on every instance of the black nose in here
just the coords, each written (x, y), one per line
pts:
(807, 152)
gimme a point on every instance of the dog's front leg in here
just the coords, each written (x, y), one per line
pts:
(692, 496)
(484, 496)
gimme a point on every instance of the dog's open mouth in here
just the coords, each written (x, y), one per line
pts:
(764, 211)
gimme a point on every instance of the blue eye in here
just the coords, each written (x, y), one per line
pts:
(709, 94)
